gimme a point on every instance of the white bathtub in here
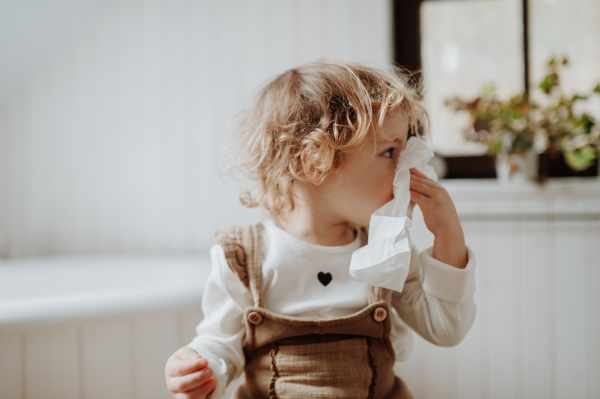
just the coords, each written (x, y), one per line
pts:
(95, 327)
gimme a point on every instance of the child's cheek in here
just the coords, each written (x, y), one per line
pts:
(389, 184)
(385, 188)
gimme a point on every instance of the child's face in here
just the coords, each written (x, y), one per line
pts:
(364, 183)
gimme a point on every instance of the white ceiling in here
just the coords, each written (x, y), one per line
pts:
(32, 32)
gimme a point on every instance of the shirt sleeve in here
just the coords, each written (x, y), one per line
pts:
(219, 335)
(437, 300)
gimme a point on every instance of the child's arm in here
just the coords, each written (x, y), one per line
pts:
(219, 335)
(441, 218)
(437, 298)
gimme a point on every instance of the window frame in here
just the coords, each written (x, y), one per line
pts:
(407, 35)
(406, 38)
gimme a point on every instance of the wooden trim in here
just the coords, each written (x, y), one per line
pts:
(525, 21)
(529, 217)
(407, 33)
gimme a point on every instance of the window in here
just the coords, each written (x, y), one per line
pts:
(462, 45)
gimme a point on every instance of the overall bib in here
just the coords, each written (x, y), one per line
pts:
(298, 357)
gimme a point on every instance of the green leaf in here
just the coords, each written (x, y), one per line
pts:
(489, 90)
(581, 158)
(587, 122)
(495, 147)
(549, 82)
(597, 88)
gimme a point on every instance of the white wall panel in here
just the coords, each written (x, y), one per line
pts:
(287, 33)
(155, 339)
(571, 263)
(434, 373)
(590, 264)
(313, 41)
(189, 321)
(372, 28)
(502, 264)
(198, 153)
(342, 29)
(467, 367)
(52, 363)
(107, 359)
(593, 291)
(11, 366)
(118, 136)
(537, 298)
(484, 284)
(408, 372)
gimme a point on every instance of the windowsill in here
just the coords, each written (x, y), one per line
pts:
(570, 199)
(564, 186)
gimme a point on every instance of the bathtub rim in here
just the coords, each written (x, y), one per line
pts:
(29, 312)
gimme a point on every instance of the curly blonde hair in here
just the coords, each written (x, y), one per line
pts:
(325, 108)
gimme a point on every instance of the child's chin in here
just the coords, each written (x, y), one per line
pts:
(365, 223)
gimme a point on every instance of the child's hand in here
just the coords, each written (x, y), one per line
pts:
(438, 209)
(441, 219)
(188, 376)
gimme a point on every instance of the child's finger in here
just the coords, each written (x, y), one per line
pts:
(421, 187)
(202, 390)
(417, 198)
(184, 367)
(425, 180)
(416, 172)
(189, 382)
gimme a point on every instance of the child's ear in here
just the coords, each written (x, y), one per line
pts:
(315, 176)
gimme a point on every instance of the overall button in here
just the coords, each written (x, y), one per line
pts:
(255, 318)
(380, 314)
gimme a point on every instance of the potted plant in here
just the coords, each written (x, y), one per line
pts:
(574, 134)
(514, 130)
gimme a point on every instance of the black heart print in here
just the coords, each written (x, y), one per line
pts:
(324, 278)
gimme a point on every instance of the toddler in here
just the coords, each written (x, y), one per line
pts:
(322, 140)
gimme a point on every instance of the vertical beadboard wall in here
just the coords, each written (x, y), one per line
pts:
(119, 357)
(537, 330)
(113, 147)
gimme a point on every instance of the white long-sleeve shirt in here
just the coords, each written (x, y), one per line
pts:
(436, 300)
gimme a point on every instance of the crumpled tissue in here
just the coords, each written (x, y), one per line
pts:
(385, 260)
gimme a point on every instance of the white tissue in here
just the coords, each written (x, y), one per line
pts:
(385, 260)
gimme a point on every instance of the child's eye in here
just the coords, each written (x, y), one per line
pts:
(390, 151)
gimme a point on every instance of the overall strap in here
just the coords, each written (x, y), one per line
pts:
(242, 246)
(253, 247)
(376, 294)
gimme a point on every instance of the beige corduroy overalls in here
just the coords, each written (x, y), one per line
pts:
(293, 357)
